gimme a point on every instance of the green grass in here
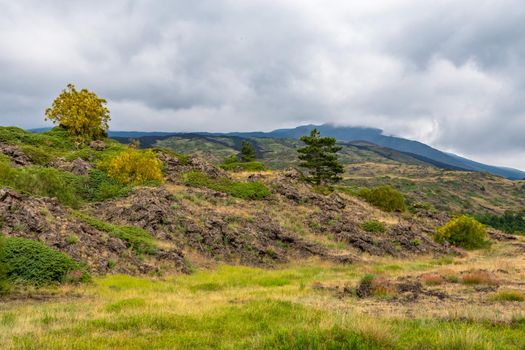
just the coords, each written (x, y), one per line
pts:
(244, 190)
(232, 308)
(373, 226)
(243, 166)
(138, 239)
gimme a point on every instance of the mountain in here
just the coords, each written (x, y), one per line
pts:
(344, 134)
(376, 136)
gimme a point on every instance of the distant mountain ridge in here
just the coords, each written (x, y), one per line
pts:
(345, 134)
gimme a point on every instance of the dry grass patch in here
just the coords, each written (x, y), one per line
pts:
(432, 279)
(508, 295)
(479, 277)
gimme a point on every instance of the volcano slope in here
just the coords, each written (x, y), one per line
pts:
(210, 259)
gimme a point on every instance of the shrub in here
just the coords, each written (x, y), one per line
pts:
(384, 197)
(509, 222)
(46, 182)
(4, 284)
(463, 231)
(137, 238)
(372, 285)
(373, 226)
(478, 277)
(240, 166)
(508, 295)
(244, 190)
(32, 262)
(432, 279)
(135, 167)
(102, 187)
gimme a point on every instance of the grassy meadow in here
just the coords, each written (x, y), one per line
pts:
(294, 307)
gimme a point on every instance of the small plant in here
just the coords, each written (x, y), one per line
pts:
(386, 198)
(72, 239)
(32, 262)
(479, 277)
(372, 285)
(463, 231)
(111, 264)
(135, 167)
(432, 279)
(508, 295)
(373, 226)
(241, 166)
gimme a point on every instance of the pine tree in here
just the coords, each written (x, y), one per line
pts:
(319, 156)
(247, 151)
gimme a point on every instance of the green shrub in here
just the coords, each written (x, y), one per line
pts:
(45, 182)
(38, 155)
(244, 190)
(137, 238)
(32, 262)
(4, 283)
(135, 167)
(373, 226)
(508, 295)
(509, 222)
(241, 166)
(101, 187)
(463, 231)
(386, 198)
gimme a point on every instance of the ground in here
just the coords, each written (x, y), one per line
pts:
(308, 304)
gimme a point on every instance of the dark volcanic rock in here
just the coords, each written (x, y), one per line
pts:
(16, 155)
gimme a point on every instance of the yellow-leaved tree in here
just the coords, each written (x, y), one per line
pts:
(135, 167)
(82, 113)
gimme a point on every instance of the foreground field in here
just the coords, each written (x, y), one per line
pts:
(313, 306)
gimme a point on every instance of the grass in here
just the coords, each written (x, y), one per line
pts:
(138, 239)
(232, 308)
(508, 295)
(373, 226)
(243, 190)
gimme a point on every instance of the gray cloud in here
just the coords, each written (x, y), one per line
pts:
(448, 73)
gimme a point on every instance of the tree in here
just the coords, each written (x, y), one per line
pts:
(82, 113)
(319, 156)
(247, 151)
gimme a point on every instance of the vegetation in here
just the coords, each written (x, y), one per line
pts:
(508, 295)
(244, 190)
(41, 181)
(135, 167)
(137, 238)
(509, 222)
(4, 283)
(100, 187)
(463, 231)
(386, 198)
(32, 262)
(373, 226)
(320, 158)
(228, 165)
(247, 151)
(82, 113)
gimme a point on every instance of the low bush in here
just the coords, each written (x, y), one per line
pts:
(101, 187)
(463, 231)
(46, 182)
(32, 262)
(432, 279)
(386, 198)
(244, 190)
(372, 285)
(373, 226)
(243, 166)
(4, 283)
(479, 277)
(135, 167)
(509, 222)
(508, 295)
(137, 238)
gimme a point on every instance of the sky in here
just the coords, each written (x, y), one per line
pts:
(448, 73)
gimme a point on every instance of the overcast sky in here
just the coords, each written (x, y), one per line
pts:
(447, 73)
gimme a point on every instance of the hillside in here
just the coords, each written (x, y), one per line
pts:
(205, 258)
(352, 134)
(422, 180)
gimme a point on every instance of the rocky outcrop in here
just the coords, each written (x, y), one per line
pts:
(77, 166)
(17, 156)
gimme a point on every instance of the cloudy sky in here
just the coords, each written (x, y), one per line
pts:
(448, 73)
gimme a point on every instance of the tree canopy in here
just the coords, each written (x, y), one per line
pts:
(82, 113)
(247, 151)
(320, 158)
